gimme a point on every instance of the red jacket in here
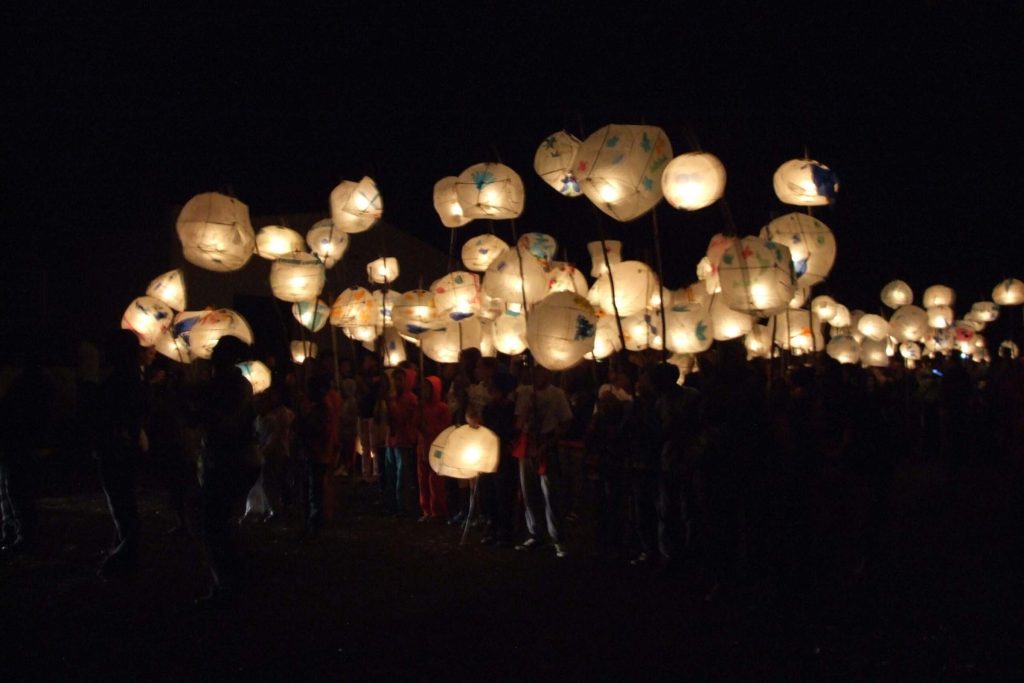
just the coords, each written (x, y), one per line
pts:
(434, 415)
(402, 416)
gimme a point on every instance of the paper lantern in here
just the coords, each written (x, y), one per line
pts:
(844, 349)
(756, 277)
(148, 318)
(825, 307)
(385, 304)
(800, 295)
(727, 323)
(301, 350)
(362, 333)
(940, 317)
(174, 347)
(414, 313)
(297, 277)
(963, 337)
(873, 327)
(692, 295)
(687, 364)
(599, 265)
(490, 307)
(564, 277)
(487, 348)
(169, 288)
(910, 351)
(974, 319)
(355, 307)
(758, 342)
(812, 246)
(560, 329)
(328, 242)
(874, 354)
(986, 311)
(555, 160)
(473, 449)
(693, 180)
(479, 252)
(215, 232)
(446, 203)
(382, 271)
(490, 190)
(510, 333)
(541, 246)
(1009, 292)
(257, 373)
(940, 341)
(606, 337)
(805, 182)
(393, 348)
(642, 331)
(634, 283)
(1009, 348)
(312, 315)
(897, 293)
(908, 324)
(355, 207)
(436, 457)
(798, 331)
(688, 328)
(508, 276)
(207, 328)
(619, 168)
(275, 241)
(938, 295)
(841, 319)
(444, 346)
(457, 295)
(707, 268)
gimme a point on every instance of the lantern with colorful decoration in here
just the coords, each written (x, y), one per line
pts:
(215, 232)
(355, 207)
(812, 246)
(619, 168)
(805, 182)
(555, 160)
(490, 190)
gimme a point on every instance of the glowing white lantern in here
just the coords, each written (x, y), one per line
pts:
(457, 295)
(508, 276)
(149, 318)
(841, 319)
(825, 307)
(385, 304)
(940, 317)
(1009, 292)
(707, 268)
(490, 307)
(688, 328)
(328, 242)
(634, 282)
(209, 326)
(606, 337)
(275, 241)
(619, 168)
(473, 449)
(541, 246)
(938, 295)
(973, 319)
(940, 341)
(910, 351)
(844, 349)
(490, 190)
(355, 307)
(510, 333)
(726, 322)
(297, 277)
(796, 330)
(855, 316)
(805, 182)
(800, 295)
(687, 364)
(873, 327)
(382, 271)
(479, 252)
(758, 342)
(555, 160)
(312, 315)
(436, 457)
(812, 246)
(446, 203)
(414, 313)
(599, 265)
(757, 277)
(693, 295)
(362, 333)
(169, 288)
(642, 331)
(393, 347)
(444, 346)
(908, 324)
(355, 207)
(693, 180)
(897, 293)
(564, 277)
(560, 329)
(963, 337)
(1009, 348)
(874, 354)
(174, 347)
(986, 311)
(487, 348)
(257, 373)
(215, 232)
(301, 350)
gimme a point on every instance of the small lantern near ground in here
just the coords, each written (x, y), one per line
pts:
(474, 449)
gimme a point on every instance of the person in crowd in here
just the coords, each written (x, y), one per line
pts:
(400, 492)
(643, 465)
(371, 390)
(348, 429)
(315, 438)
(457, 398)
(607, 445)
(167, 441)
(499, 416)
(433, 418)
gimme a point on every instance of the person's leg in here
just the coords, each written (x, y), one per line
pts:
(117, 475)
(408, 494)
(529, 482)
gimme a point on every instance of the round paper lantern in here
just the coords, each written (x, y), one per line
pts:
(606, 337)
(385, 304)
(490, 190)
(355, 307)
(986, 311)
(800, 295)
(472, 449)
(910, 351)
(275, 241)
(169, 288)
(446, 203)
(599, 265)
(1009, 292)
(506, 279)
(148, 318)
(634, 283)
(366, 334)
(619, 168)
(555, 160)
(393, 347)
(382, 271)
(208, 328)
(414, 312)
(487, 349)
(312, 315)
(688, 328)
(757, 277)
(812, 246)
(257, 373)
(444, 346)
(974, 320)
(758, 342)
(174, 347)
(796, 330)
(541, 246)
(560, 329)
(693, 180)
(841, 319)
(355, 207)
(908, 324)
(707, 268)
(844, 349)
(897, 293)
(436, 457)
(457, 295)
(940, 317)
(874, 354)
(963, 337)
(873, 327)
(1009, 348)
(510, 333)
(479, 252)
(938, 295)
(693, 295)
(642, 331)
(940, 341)
(215, 232)
(805, 182)
(328, 242)
(564, 277)
(297, 277)
(727, 323)
(490, 307)
(301, 350)
(825, 307)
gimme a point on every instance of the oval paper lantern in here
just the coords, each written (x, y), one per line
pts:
(490, 190)
(435, 457)
(844, 349)
(215, 232)
(940, 317)
(414, 313)
(444, 346)
(634, 282)
(693, 180)
(312, 315)
(727, 323)
(563, 277)
(355, 207)
(873, 327)
(812, 246)
(688, 328)
(874, 354)
(355, 307)
(510, 333)
(619, 168)
(457, 295)
(796, 330)
(169, 288)
(613, 249)
(297, 277)
(275, 241)
(393, 348)
(385, 304)
(938, 295)
(301, 350)
(446, 203)
(257, 373)
(707, 269)
(758, 342)
(382, 271)
(805, 182)
(824, 307)
(149, 318)
(555, 160)
(560, 329)
(328, 242)
(897, 293)
(1009, 292)
(986, 311)
(842, 318)
(756, 277)
(209, 326)
(606, 337)
(908, 324)
(479, 252)
(174, 347)
(472, 449)
(541, 246)
(508, 276)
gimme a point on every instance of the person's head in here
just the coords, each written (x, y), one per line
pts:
(501, 385)
(664, 376)
(228, 351)
(432, 389)
(398, 381)
(348, 387)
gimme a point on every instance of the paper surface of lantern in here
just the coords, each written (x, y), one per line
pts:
(207, 328)
(938, 295)
(328, 242)
(693, 180)
(355, 207)
(215, 232)
(727, 323)
(479, 252)
(1009, 348)
(444, 346)
(149, 318)
(756, 277)
(472, 449)
(446, 203)
(688, 328)
(692, 295)
(687, 364)
(257, 373)
(313, 315)
(874, 354)
(508, 276)
(487, 348)
(169, 288)
(908, 323)
(385, 304)
(619, 168)
(642, 331)
(510, 333)
(634, 282)
(707, 268)
(758, 342)
(555, 160)
(564, 277)
(174, 347)
(541, 246)
(1009, 292)
(393, 348)
(415, 313)
(560, 329)
(490, 190)
(805, 182)
(797, 330)
(873, 327)
(940, 317)
(800, 295)
(897, 293)
(844, 349)
(606, 337)
(841, 319)
(812, 246)
(301, 350)
(910, 350)
(355, 307)
(275, 241)
(383, 271)
(457, 295)
(599, 264)
(824, 307)
(435, 456)
(297, 277)
(986, 311)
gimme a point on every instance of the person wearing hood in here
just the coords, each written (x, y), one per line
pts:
(400, 491)
(434, 417)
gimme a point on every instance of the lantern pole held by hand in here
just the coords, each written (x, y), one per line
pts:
(472, 505)
(661, 285)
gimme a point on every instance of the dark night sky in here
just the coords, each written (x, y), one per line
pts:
(118, 118)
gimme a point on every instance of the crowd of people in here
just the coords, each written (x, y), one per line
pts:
(746, 470)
